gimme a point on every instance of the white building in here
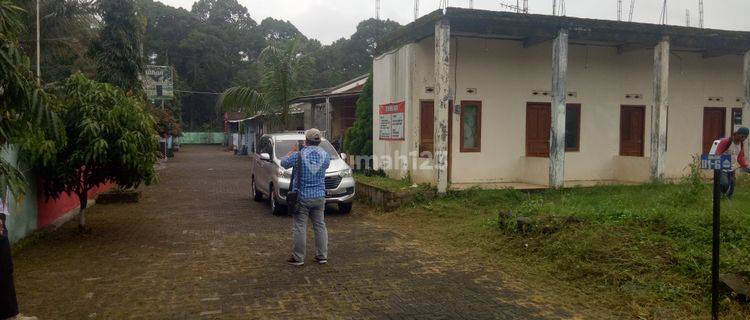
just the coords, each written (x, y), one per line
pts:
(633, 101)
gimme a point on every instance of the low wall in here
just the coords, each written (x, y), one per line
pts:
(386, 199)
(202, 138)
(50, 210)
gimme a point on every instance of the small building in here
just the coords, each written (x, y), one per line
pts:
(471, 97)
(242, 131)
(333, 110)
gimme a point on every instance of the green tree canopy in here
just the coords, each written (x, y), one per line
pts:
(27, 118)
(358, 139)
(117, 51)
(109, 137)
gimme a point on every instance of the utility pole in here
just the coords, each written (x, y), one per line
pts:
(700, 13)
(664, 13)
(554, 7)
(377, 9)
(632, 8)
(38, 47)
(619, 10)
(687, 17)
(416, 10)
(471, 4)
(525, 6)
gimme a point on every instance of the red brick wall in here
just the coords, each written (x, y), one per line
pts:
(50, 210)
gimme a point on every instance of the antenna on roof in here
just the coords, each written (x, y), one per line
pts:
(517, 7)
(632, 8)
(687, 17)
(664, 11)
(619, 10)
(377, 9)
(700, 9)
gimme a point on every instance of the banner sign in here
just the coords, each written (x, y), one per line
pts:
(157, 82)
(392, 121)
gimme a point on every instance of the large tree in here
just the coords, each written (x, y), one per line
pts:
(27, 118)
(117, 51)
(109, 137)
(346, 59)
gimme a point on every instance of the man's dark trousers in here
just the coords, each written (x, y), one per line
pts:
(8, 302)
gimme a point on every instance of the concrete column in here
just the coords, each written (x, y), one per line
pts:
(442, 101)
(559, 96)
(328, 115)
(659, 109)
(746, 102)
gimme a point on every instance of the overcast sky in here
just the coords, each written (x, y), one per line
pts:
(328, 20)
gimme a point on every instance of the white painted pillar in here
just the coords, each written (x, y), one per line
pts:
(328, 114)
(659, 110)
(559, 96)
(442, 102)
(746, 102)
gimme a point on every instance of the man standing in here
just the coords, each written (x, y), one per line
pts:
(312, 197)
(8, 301)
(735, 147)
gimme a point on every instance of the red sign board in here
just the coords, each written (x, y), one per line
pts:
(392, 118)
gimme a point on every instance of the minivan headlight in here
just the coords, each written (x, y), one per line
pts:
(345, 173)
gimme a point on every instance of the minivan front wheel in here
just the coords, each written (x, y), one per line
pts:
(277, 209)
(345, 208)
(257, 195)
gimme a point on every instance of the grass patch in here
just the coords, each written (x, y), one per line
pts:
(383, 182)
(644, 250)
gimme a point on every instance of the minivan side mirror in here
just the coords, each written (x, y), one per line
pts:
(343, 156)
(265, 157)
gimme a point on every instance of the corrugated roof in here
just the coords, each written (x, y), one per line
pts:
(535, 28)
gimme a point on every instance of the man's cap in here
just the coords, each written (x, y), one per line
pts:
(743, 131)
(313, 135)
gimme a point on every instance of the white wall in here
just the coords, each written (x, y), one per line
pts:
(505, 74)
(392, 78)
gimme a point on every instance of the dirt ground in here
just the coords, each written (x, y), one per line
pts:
(197, 247)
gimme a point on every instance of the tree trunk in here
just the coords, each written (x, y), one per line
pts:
(84, 200)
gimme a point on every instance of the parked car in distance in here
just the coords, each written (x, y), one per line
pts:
(269, 180)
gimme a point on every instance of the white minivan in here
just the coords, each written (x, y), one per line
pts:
(270, 180)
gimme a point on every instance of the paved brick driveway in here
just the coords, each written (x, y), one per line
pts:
(197, 247)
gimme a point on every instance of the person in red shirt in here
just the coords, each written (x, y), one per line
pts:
(735, 147)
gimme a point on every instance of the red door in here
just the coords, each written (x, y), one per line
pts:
(538, 119)
(714, 126)
(632, 130)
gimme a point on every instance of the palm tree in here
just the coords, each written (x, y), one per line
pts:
(27, 118)
(281, 68)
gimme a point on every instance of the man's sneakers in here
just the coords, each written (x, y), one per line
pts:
(294, 262)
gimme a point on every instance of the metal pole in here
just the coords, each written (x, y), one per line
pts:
(716, 239)
(38, 47)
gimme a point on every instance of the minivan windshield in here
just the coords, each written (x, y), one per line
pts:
(282, 147)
